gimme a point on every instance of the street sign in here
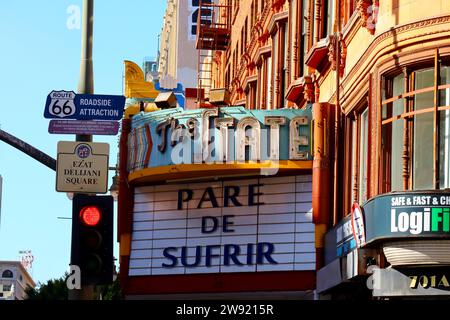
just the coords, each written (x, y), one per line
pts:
(358, 229)
(82, 167)
(69, 105)
(88, 127)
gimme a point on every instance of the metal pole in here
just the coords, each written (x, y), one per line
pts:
(28, 149)
(86, 80)
(85, 86)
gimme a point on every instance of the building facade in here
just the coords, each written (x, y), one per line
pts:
(178, 57)
(14, 280)
(379, 70)
(369, 80)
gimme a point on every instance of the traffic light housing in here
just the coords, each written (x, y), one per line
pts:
(92, 238)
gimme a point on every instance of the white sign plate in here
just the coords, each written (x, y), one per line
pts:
(82, 167)
(251, 225)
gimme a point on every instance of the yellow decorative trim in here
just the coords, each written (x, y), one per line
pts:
(133, 72)
(135, 109)
(196, 171)
(135, 84)
(125, 244)
(320, 229)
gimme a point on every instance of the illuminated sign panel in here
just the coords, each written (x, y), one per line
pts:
(249, 225)
(220, 135)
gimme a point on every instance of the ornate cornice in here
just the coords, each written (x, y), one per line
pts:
(375, 50)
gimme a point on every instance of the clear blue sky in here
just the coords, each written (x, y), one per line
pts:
(38, 54)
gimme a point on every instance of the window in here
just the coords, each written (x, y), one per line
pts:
(356, 157)
(328, 13)
(264, 82)
(304, 37)
(363, 155)
(284, 64)
(7, 274)
(251, 95)
(416, 129)
(6, 288)
(268, 90)
(351, 6)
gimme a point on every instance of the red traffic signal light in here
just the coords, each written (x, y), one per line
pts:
(90, 215)
(92, 238)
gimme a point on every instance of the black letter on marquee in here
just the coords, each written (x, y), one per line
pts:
(170, 257)
(210, 254)
(214, 227)
(227, 223)
(231, 251)
(174, 126)
(184, 257)
(210, 197)
(181, 199)
(252, 194)
(261, 253)
(161, 129)
(231, 196)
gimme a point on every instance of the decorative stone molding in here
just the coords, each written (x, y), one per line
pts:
(403, 34)
(277, 5)
(332, 54)
(217, 57)
(317, 90)
(308, 89)
(238, 86)
(368, 13)
(264, 37)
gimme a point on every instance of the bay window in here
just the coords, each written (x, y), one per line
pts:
(415, 128)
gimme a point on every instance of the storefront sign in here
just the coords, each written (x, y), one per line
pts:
(411, 282)
(402, 215)
(219, 135)
(340, 240)
(226, 226)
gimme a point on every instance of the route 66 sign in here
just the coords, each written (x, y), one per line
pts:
(60, 104)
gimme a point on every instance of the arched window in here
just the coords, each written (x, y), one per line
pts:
(7, 274)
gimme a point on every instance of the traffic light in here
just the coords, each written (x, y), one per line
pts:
(92, 238)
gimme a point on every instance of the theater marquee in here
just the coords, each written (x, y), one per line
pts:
(225, 226)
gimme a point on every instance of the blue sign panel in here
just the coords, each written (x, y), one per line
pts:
(340, 240)
(69, 105)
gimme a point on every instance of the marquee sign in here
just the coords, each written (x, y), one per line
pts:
(226, 226)
(220, 135)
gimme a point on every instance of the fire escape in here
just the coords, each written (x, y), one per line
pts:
(213, 33)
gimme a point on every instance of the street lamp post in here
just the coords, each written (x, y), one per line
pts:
(85, 86)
